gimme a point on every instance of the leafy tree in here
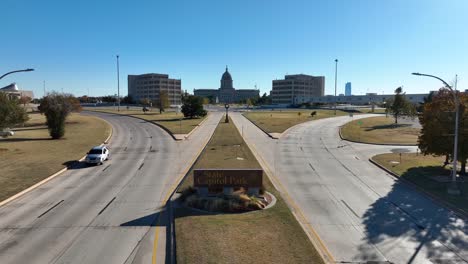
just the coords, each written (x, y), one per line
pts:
(163, 102)
(400, 106)
(206, 100)
(128, 100)
(25, 100)
(145, 101)
(264, 99)
(11, 113)
(193, 106)
(109, 99)
(438, 121)
(56, 107)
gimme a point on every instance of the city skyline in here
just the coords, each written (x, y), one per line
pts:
(376, 52)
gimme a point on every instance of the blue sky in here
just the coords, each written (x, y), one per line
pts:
(72, 44)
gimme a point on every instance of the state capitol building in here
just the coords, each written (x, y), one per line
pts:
(227, 93)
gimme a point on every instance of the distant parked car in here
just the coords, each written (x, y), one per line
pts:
(6, 133)
(97, 155)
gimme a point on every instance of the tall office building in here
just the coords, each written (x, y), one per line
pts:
(348, 89)
(285, 91)
(150, 85)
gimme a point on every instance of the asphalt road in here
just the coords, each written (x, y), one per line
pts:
(359, 211)
(111, 213)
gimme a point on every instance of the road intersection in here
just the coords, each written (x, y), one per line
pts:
(114, 213)
(359, 211)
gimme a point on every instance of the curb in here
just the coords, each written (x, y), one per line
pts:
(193, 130)
(459, 212)
(53, 176)
(375, 144)
(268, 134)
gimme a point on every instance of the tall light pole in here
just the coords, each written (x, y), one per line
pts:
(453, 188)
(336, 78)
(118, 85)
(26, 70)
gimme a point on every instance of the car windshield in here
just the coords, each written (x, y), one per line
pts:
(95, 151)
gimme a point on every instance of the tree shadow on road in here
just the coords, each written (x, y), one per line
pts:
(409, 219)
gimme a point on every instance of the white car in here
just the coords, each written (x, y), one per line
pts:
(97, 155)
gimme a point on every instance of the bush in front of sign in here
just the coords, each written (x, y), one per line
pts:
(235, 203)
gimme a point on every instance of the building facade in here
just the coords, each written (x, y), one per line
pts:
(13, 91)
(369, 98)
(227, 93)
(285, 91)
(347, 89)
(150, 85)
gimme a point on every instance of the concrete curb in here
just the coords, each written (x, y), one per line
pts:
(193, 130)
(376, 144)
(459, 212)
(268, 134)
(53, 176)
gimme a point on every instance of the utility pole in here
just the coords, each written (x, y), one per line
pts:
(336, 78)
(44, 89)
(118, 85)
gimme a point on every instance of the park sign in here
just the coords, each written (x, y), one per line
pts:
(247, 178)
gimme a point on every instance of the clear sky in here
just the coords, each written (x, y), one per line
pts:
(73, 44)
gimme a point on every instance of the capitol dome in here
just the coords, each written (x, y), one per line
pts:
(226, 75)
(226, 80)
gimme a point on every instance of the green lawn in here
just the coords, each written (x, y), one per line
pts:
(174, 122)
(419, 169)
(268, 236)
(380, 130)
(31, 156)
(280, 120)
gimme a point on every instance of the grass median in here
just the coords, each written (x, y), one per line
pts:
(31, 156)
(173, 121)
(278, 121)
(380, 130)
(267, 236)
(425, 172)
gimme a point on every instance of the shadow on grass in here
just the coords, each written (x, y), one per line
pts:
(389, 126)
(429, 230)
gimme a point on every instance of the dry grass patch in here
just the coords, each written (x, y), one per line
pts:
(30, 155)
(380, 130)
(420, 169)
(174, 122)
(279, 121)
(266, 236)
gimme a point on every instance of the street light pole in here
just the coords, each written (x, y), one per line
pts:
(336, 77)
(26, 70)
(453, 188)
(118, 85)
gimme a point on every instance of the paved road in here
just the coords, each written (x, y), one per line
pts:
(359, 212)
(104, 214)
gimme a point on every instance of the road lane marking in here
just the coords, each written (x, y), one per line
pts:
(106, 167)
(351, 209)
(50, 209)
(107, 205)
